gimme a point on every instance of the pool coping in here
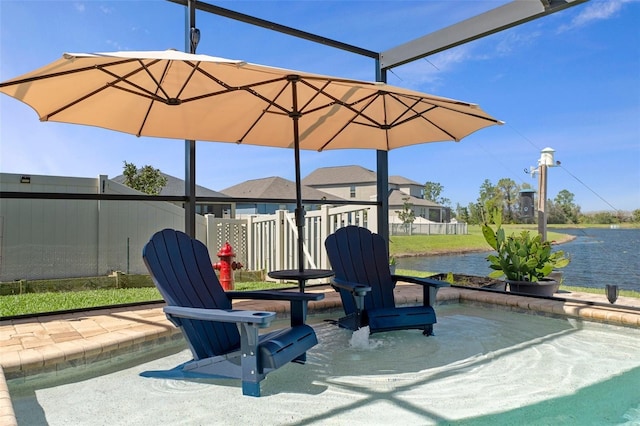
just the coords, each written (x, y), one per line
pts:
(52, 343)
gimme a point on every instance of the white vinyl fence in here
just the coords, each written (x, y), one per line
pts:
(428, 229)
(272, 239)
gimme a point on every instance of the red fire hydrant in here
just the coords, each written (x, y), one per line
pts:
(226, 266)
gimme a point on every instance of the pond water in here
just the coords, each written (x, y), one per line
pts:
(598, 257)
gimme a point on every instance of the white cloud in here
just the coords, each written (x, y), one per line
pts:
(595, 11)
(114, 44)
(429, 71)
(514, 40)
(419, 73)
(80, 7)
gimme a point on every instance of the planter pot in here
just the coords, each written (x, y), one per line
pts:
(557, 276)
(501, 286)
(545, 287)
(472, 281)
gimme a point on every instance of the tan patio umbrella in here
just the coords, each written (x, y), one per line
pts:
(171, 94)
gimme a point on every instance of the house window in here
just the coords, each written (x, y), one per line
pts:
(352, 191)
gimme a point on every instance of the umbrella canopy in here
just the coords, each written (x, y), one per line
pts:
(171, 94)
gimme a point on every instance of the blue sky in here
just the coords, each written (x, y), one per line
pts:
(570, 81)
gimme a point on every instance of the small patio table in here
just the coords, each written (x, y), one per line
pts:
(301, 276)
(298, 317)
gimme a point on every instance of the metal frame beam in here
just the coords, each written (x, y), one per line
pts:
(21, 195)
(227, 13)
(493, 21)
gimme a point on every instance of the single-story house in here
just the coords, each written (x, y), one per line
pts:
(272, 188)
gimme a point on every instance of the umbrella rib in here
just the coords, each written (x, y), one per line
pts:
(112, 84)
(271, 102)
(320, 90)
(384, 126)
(333, 98)
(247, 88)
(152, 77)
(439, 105)
(141, 91)
(168, 101)
(357, 113)
(371, 98)
(432, 106)
(59, 74)
(416, 115)
(194, 67)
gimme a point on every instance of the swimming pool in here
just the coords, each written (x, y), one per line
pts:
(484, 366)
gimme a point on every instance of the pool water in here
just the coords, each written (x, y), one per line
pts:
(484, 366)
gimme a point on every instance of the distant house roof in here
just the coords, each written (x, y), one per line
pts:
(396, 198)
(175, 186)
(275, 188)
(340, 175)
(400, 180)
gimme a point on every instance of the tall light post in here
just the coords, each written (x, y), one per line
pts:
(546, 160)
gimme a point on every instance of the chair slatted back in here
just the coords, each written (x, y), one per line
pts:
(183, 273)
(358, 255)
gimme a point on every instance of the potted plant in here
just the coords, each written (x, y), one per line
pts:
(524, 260)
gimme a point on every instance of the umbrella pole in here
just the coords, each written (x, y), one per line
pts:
(192, 39)
(299, 213)
(299, 210)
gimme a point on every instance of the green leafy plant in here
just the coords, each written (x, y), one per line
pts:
(449, 278)
(520, 257)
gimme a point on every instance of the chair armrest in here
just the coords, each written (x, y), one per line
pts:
(297, 301)
(261, 318)
(275, 295)
(354, 288)
(421, 281)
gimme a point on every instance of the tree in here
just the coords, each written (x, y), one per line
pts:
(564, 202)
(433, 192)
(147, 179)
(635, 215)
(604, 218)
(488, 201)
(476, 213)
(406, 215)
(508, 190)
(462, 213)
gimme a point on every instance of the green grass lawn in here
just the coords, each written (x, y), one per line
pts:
(435, 244)
(33, 303)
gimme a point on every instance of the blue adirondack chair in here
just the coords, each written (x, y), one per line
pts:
(224, 342)
(360, 261)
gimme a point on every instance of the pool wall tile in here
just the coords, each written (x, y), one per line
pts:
(7, 415)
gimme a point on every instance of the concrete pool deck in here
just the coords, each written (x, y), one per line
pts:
(47, 344)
